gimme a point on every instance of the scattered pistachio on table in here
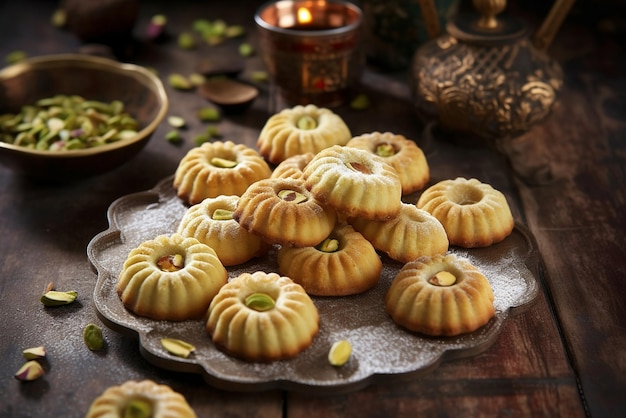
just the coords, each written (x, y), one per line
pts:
(173, 137)
(209, 114)
(34, 353)
(196, 79)
(57, 298)
(186, 41)
(234, 31)
(259, 76)
(59, 18)
(31, 370)
(246, 49)
(176, 121)
(216, 31)
(179, 82)
(157, 25)
(360, 102)
(93, 338)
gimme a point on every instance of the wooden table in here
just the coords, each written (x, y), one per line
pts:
(564, 357)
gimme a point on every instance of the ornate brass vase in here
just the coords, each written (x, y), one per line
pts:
(485, 79)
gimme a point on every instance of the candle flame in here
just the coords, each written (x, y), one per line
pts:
(304, 15)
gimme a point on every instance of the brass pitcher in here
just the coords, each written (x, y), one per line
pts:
(486, 79)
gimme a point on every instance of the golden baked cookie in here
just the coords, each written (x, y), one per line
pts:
(211, 222)
(218, 168)
(262, 317)
(474, 214)
(140, 399)
(403, 154)
(299, 130)
(355, 182)
(442, 295)
(292, 167)
(283, 211)
(171, 278)
(343, 264)
(411, 234)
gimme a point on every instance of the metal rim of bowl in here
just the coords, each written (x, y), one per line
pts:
(141, 74)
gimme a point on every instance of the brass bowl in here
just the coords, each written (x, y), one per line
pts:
(93, 78)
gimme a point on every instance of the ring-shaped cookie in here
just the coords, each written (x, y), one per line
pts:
(283, 211)
(442, 295)
(170, 277)
(159, 400)
(262, 331)
(343, 264)
(403, 154)
(299, 130)
(218, 168)
(293, 167)
(413, 233)
(354, 182)
(474, 214)
(211, 222)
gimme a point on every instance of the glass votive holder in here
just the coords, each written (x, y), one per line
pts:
(312, 49)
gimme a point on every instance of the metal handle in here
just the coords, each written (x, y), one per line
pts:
(430, 17)
(551, 25)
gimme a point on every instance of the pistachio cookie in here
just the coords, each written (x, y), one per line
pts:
(299, 130)
(218, 168)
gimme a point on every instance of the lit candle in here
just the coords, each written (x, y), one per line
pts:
(304, 16)
(311, 48)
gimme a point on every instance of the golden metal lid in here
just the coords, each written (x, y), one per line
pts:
(485, 26)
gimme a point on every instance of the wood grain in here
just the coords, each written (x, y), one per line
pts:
(565, 180)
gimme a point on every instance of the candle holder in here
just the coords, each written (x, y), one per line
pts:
(311, 49)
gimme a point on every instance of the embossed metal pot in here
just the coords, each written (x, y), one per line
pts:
(485, 79)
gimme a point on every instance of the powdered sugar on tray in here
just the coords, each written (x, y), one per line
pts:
(380, 347)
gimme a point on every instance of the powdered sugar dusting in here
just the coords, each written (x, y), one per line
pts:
(379, 345)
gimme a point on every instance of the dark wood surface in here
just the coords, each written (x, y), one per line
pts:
(565, 180)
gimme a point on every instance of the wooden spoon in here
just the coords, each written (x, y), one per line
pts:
(231, 95)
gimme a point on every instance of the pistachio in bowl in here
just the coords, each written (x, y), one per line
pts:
(73, 115)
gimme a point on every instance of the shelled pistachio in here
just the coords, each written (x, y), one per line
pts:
(31, 370)
(93, 338)
(56, 298)
(65, 122)
(177, 347)
(34, 353)
(340, 353)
